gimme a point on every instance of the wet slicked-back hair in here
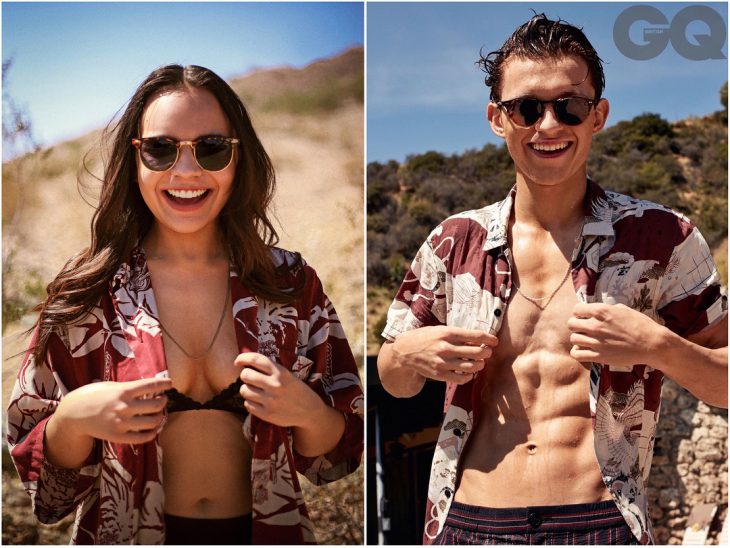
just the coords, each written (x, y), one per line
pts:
(541, 39)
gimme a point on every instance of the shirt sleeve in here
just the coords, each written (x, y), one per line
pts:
(690, 298)
(55, 492)
(326, 363)
(421, 299)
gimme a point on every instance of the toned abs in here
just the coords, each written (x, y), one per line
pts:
(532, 443)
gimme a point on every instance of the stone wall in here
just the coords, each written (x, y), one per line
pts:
(690, 464)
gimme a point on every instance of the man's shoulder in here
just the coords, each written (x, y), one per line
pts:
(480, 222)
(647, 231)
(629, 216)
(627, 213)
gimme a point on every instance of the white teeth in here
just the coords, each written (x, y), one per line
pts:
(549, 148)
(186, 194)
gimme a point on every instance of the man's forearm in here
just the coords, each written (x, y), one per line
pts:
(621, 336)
(398, 381)
(702, 371)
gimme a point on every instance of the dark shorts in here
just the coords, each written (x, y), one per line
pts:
(207, 531)
(599, 523)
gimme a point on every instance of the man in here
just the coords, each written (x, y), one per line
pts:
(553, 316)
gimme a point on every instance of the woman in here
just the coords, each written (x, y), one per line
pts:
(235, 366)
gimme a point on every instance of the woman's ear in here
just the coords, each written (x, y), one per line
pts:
(496, 119)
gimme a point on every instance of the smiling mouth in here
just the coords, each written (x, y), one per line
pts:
(186, 197)
(550, 150)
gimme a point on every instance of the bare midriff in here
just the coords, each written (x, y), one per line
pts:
(532, 443)
(206, 460)
(206, 465)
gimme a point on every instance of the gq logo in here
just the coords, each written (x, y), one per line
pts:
(708, 46)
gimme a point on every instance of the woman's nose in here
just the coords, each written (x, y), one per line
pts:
(186, 164)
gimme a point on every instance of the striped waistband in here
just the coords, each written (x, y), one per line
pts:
(570, 517)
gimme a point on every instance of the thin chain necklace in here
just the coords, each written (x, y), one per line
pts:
(537, 300)
(215, 335)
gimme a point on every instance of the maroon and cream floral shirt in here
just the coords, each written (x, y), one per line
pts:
(118, 493)
(631, 252)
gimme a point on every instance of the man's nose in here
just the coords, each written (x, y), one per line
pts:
(548, 120)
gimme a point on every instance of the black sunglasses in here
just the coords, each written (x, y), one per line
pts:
(212, 153)
(526, 111)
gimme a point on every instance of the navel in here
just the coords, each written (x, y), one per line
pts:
(531, 448)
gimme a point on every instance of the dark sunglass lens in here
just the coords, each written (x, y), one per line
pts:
(158, 154)
(528, 111)
(213, 154)
(572, 110)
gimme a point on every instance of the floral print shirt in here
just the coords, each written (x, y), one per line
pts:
(633, 252)
(118, 492)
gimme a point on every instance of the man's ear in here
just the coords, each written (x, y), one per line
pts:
(601, 115)
(496, 120)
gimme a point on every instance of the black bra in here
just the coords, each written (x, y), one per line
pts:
(229, 399)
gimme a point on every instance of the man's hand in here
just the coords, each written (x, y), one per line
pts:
(618, 335)
(443, 353)
(613, 334)
(449, 354)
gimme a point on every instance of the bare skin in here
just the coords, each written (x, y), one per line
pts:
(533, 443)
(190, 299)
(190, 294)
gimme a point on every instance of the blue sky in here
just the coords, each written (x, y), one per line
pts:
(76, 64)
(425, 92)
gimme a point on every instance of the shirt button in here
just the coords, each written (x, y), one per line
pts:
(497, 312)
(534, 519)
(447, 492)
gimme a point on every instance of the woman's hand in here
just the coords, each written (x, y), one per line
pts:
(120, 412)
(274, 394)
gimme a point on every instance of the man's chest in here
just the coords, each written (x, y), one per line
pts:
(533, 353)
(536, 325)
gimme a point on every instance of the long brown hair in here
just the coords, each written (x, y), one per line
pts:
(122, 217)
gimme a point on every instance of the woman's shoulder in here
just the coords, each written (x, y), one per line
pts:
(291, 269)
(285, 259)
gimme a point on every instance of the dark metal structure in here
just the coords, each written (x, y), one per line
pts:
(402, 434)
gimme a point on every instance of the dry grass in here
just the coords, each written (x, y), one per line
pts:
(378, 299)
(720, 256)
